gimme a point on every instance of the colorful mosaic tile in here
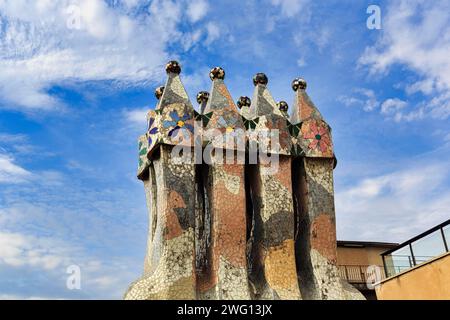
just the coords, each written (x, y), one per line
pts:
(310, 133)
(203, 118)
(228, 230)
(271, 126)
(172, 123)
(225, 119)
(144, 162)
(316, 139)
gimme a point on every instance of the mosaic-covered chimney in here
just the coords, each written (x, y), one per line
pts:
(240, 196)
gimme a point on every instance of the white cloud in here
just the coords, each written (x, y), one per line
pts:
(396, 109)
(11, 172)
(132, 3)
(301, 62)
(415, 34)
(22, 297)
(12, 138)
(21, 145)
(191, 38)
(425, 86)
(197, 10)
(350, 101)
(397, 205)
(22, 250)
(105, 281)
(322, 38)
(44, 239)
(213, 32)
(290, 8)
(364, 98)
(137, 116)
(50, 257)
(391, 106)
(447, 138)
(38, 50)
(312, 39)
(439, 106)
(370, 102)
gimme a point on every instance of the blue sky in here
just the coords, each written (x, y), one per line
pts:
(76, 79)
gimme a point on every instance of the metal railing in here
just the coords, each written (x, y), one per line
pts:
(358, 273)
(417, 250)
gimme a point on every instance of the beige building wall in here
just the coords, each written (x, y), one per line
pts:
(351, 256)
(364, 256)
(428, 281)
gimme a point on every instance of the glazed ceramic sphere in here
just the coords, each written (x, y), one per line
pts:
(202, 96)
(243, 101)
(260, 78)
(159, 92)
(299, 83)
(173, 67)
(217, 73)
(283, 106)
